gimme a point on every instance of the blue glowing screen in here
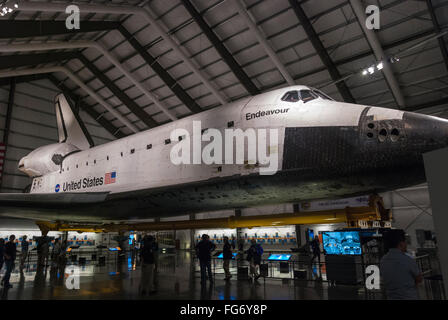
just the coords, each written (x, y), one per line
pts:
(342, 242)
(221, 256)
(279, 257)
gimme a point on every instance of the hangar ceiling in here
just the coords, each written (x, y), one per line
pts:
(145, 63)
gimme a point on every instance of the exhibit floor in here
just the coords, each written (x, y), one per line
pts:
(177, 278)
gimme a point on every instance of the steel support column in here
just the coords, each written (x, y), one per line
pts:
(239, 261)
(192, 233)
(12, 91)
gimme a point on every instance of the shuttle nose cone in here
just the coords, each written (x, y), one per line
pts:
(425, 133)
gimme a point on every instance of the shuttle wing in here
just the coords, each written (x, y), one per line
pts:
(49, 200)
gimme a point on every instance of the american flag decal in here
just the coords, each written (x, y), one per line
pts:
(2, 158)
(111, 177)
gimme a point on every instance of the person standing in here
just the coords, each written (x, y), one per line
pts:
(399, 271)
(227, 256)
(61, 259)
(10, 257)
(315, 248)
(55, 253)
(42, 250)
(25, 246)
(2, 253)
(203, 251)
(148, 265)
(254, 257)
(155, 246)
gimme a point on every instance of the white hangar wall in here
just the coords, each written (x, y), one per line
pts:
(33, 124)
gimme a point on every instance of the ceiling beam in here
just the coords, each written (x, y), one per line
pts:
(222, 50)
(257, 32)
(16, 60)
(79, 82)
(387, 46)
(157, 25)
(27, 47)
(169, 81)
(29, 29)
(22, 79)
(372, 38)
(321, 51)
(368, 53)
(114, 131)
(436, 25)
(426, 105)
(119, 93)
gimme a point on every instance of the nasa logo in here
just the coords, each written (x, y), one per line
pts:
(57, 188)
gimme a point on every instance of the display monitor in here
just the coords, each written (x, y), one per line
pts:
(115, 249)
(341, 243)
(221, 255)
(279, 257)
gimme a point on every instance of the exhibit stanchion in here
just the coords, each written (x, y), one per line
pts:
(363, 268)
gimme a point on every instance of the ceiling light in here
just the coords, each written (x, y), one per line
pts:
(364, 72)
(394, 59)
(8, 6)
(380, 66)
(371, 70)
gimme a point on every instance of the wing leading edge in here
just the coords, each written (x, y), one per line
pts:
(49, 200)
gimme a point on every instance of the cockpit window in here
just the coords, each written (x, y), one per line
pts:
(308, 95)
(291, 96)
(304, 95)
(321, 94)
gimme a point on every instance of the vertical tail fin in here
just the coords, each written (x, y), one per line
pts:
(71, 129)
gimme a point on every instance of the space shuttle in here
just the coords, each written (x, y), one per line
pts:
(307, 147)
